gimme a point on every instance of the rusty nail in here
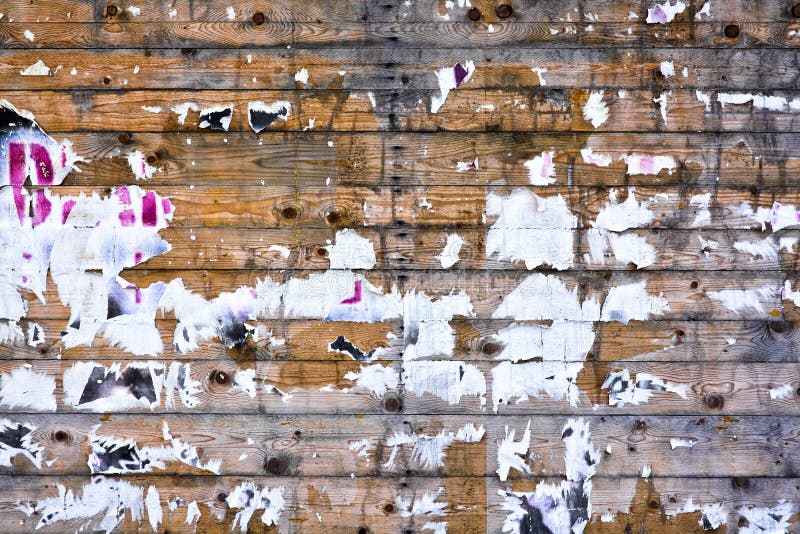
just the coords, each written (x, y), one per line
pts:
(732, 31)
(474, 14)
(504, 11)
(714, 401)
(259, 18)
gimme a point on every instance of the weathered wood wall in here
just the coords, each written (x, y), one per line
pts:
(361, 148)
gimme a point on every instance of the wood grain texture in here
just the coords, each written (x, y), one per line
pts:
(363, 148)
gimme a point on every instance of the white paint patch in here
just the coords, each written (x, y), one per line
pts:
(631, 302)
(451, 78)
(511, 454)
(29, 35)
(111, 499)
(37, 69)
(302, 77)
(375, 378)
(704, 11)
(703, 99)
(429, 451)
(448, 380)
(152, 503)
(766, 249)
(759, 101)
(230, 12)
(249, 498)
(662, 102)
(518, 382)
(627, 248)
(703, 216)
(595, 111)
(541, 169)
(152, 109)
(737, 300)
(540, 72)
(536, 230)
(782, 392)
(664, 13)
(351, 251)
(25, 388)
(452, 248)
(562, 341)
(283, 251)
(675, 443)
(192, 513)
(712, 516)
(779, 216)
(643, 164)
(667, 69)
(623, 390)
(647, 470)
(183, 110)
(464, 166)
(138, 164)
(601, 160)
(546, 297)
(620, 216)
(135, 11)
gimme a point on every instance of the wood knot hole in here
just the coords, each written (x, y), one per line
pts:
(474, 14)
(504, 11)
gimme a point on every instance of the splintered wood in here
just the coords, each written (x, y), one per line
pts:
(399, 266)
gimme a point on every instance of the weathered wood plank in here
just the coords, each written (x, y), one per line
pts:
(315, 387)
(399, 69)
(245, 33)
(535, 110)
(305, 445)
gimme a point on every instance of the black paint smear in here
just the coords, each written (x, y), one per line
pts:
(123, 458)
(10, 121)
(37, 334)
(12, 436)
(532, 522)
(577, 503)
(263, 119)
(232, 331)
(214, 119)
(100, 385)
(343, 345)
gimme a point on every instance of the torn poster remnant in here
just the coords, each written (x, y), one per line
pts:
(623, 390)
(451, 78)
(429, 451)
(564, 507)
(216, 117)
(262, 115)
(249, 498)
(18, 439)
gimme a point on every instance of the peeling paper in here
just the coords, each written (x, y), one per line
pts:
(249, 498)
(536, 230)
(541, 170)
(25, 388)
(662, 102)
(113, 500)
(262, 115)
(519, 382)
(429, 451)
(737, 300)
(545, 297)
(451, 78)
(426, 323)
(351, 251)
(772, 520)
(540, 72)
(302, 76)
(565, 507)
(18, 439)
(595, 110)
(766, 249)
(618, 217)
(675, 443)
(623, 390)
(94, 387)
(702, 202)
(511, 454)
(601, 160)
(712, 516)
(183, 110)
(779, 216)
(643, 164)
(425, 505)
(631, 302)
(781, 392)
(216, 117)
(138, 163)
(449, 255)
(448, 380)
(375, 378)
(667, 69)
(621, 216)
(705, 10)
(664, 13)
(759, 101)
(37, 69)
(113, 455)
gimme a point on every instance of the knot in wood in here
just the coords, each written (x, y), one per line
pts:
(504, 11)
(474, 14)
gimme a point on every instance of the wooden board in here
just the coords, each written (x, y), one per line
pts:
(632, 301)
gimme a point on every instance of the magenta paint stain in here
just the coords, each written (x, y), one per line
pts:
(123, 195)
(356, 295)
(137, 258)
(149, 211)
(127, 218)
(137, 293)
(547, 160)
(26, 255)
(21, 203)
(459, 72)
(63, 157)
(41, 208)
(647, 165)
(66, 208)
(44, 166)
(24, 279)
(16, 163)
(166, 205)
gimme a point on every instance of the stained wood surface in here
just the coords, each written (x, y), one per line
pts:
(363, 149)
